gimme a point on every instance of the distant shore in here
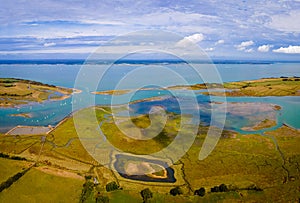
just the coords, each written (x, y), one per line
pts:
(283, 86)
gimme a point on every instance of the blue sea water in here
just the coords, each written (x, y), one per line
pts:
(65, 73)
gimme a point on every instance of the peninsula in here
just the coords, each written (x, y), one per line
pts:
(14, 92)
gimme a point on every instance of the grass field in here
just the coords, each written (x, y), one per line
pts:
(10, 167)
(242, 162)
(17, 144)
(127, 144)
(37, 186)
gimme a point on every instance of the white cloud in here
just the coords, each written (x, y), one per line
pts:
(264, 48)
(249, 50)
(244, 45)
(195, 38)
(288, 50)
(209, 49)
(50, 44)
(221, 41)
(274, 21)
(286, 22)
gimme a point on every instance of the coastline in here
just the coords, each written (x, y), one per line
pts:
(15, 92)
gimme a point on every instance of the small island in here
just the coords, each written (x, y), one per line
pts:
(14, 92)
(24, 115)
(143, 169)
(112, 92)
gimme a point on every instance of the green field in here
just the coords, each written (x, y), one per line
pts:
(10, 167)
(18, 144)
(37, 186)
(253, 167)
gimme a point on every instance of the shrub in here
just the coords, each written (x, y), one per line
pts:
(146, 194)
(18, 158)
(4, 155)
(102, 199)
(176, 191)
(86, 191)
(200, 192)
(215, 189)
(223, 188)
(254, 187)
(112, 186)
(11, 180)
(88, 177)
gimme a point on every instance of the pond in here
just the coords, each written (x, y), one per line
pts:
(143, 169)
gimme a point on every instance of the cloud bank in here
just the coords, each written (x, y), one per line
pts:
(186, 41)
(244, 45)
(33, 26)
(288, 50)
(264, 48)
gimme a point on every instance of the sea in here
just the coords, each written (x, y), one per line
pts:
(144, 74)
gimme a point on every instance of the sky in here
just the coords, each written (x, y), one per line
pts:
(257, 29)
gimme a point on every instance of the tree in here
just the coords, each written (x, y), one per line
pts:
(215, 189)
(146, 194)
(112, 186)
(86, 191)
(176, 191)
(200, 192)
(101, 199)
(223, 188)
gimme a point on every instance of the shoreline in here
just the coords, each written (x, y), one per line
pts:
(15, 92)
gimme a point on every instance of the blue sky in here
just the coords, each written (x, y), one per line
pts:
(224, 29)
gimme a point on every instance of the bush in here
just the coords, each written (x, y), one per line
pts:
(86, 191)
(220, 188)
(112, 186)
(102, 199)
(11, 180)
(254, 187)
(18, 158)
(215, 189)
(223, 188)
(200, 192)
(146, 194)
(176, 191)
(4, 155)
(88, 177)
